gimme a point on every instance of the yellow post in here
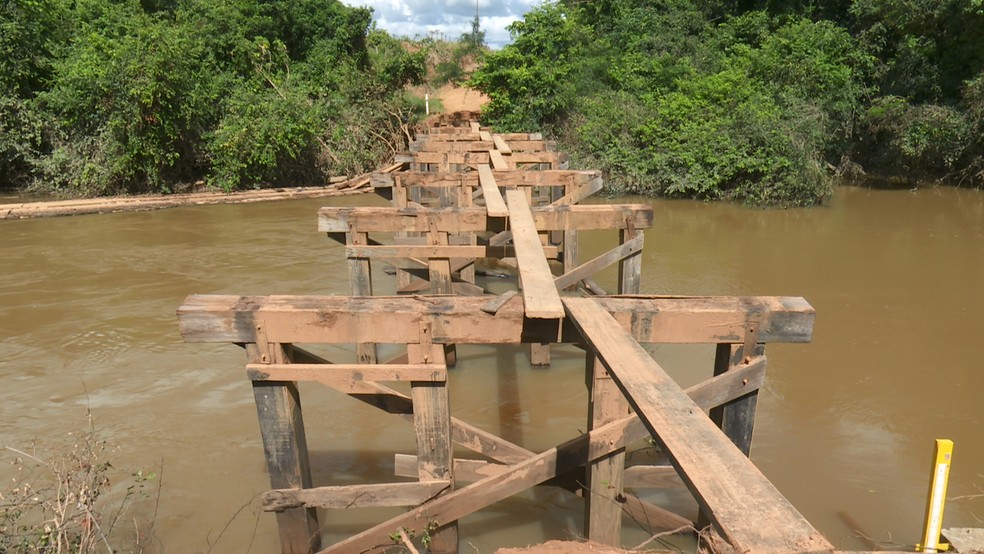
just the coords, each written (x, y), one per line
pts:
(937, 495)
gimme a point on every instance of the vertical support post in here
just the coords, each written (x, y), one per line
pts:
(570, 241)
(278, 407)
(603, 498)
(630, 268)
(432, 425)
(360, 279)
(736, 418)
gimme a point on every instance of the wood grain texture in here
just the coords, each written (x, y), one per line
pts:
(744, 506)
(540, 296)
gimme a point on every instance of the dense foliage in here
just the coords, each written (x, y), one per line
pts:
(759, 101)
(109, 96)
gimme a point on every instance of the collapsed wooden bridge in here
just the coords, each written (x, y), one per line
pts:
(467, 195)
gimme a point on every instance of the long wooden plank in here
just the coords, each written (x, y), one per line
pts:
(526, 473)
(500, 144)
(346, 372)
(494, 203)
(540, 296)
(506, 178)
(353, 496)
(744, 506)
(476, 219)
(438, 251)
(498, 161)
(395, 320)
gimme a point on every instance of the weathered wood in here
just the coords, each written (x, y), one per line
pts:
(278, 408)
(345, 373)
(496, 303)
(743, 505)
(500, 144)
(630, 266)
(553, 159)
(602, 509)
(465, 471)
(485, 136)
(353, 496)
(539, 354)
(394, 320)
(540, 296)
(476, 219)
(432, 427)
(504, 178)
(438, 251)
(597, 264)
(494, 203)
(498, 161)
(360, 281)
(520, 476)
(580, 193)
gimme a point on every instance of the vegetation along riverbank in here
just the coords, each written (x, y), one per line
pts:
(757, 101)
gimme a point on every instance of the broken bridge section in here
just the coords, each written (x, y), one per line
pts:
(462, 196)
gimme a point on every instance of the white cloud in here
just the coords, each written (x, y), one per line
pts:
(447, 19)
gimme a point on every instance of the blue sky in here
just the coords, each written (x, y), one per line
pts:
(450, 18)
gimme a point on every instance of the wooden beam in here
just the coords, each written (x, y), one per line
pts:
(476, 219)
(540, 296)
(346, 373)
(652, 477)
(394, 320)
(278, 408)
(588, 269)
(505, 178)
(353, 496)
(520, 476)
(744, 506)
(439, 251)
(494, 203)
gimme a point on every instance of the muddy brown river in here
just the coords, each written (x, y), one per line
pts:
(845, 425)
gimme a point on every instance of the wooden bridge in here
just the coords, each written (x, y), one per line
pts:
(464, 195)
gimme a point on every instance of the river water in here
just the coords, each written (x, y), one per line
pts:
(845, 425)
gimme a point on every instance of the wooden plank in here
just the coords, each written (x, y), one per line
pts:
(475, 127)
(278, 408)
(353, 496)
(588, 269)
(540, 296)
(743, 505)
(498, 162)
(520, 476)
(394, 320)
(494, 203)
(476, 219)
(438, 251)
(505, 178)
(346, 373)
(500, 144)
(498, 302)
(485, 136)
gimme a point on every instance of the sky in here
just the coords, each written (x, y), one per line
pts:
(447, 19)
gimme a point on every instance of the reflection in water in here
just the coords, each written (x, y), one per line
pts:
(845, 424)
